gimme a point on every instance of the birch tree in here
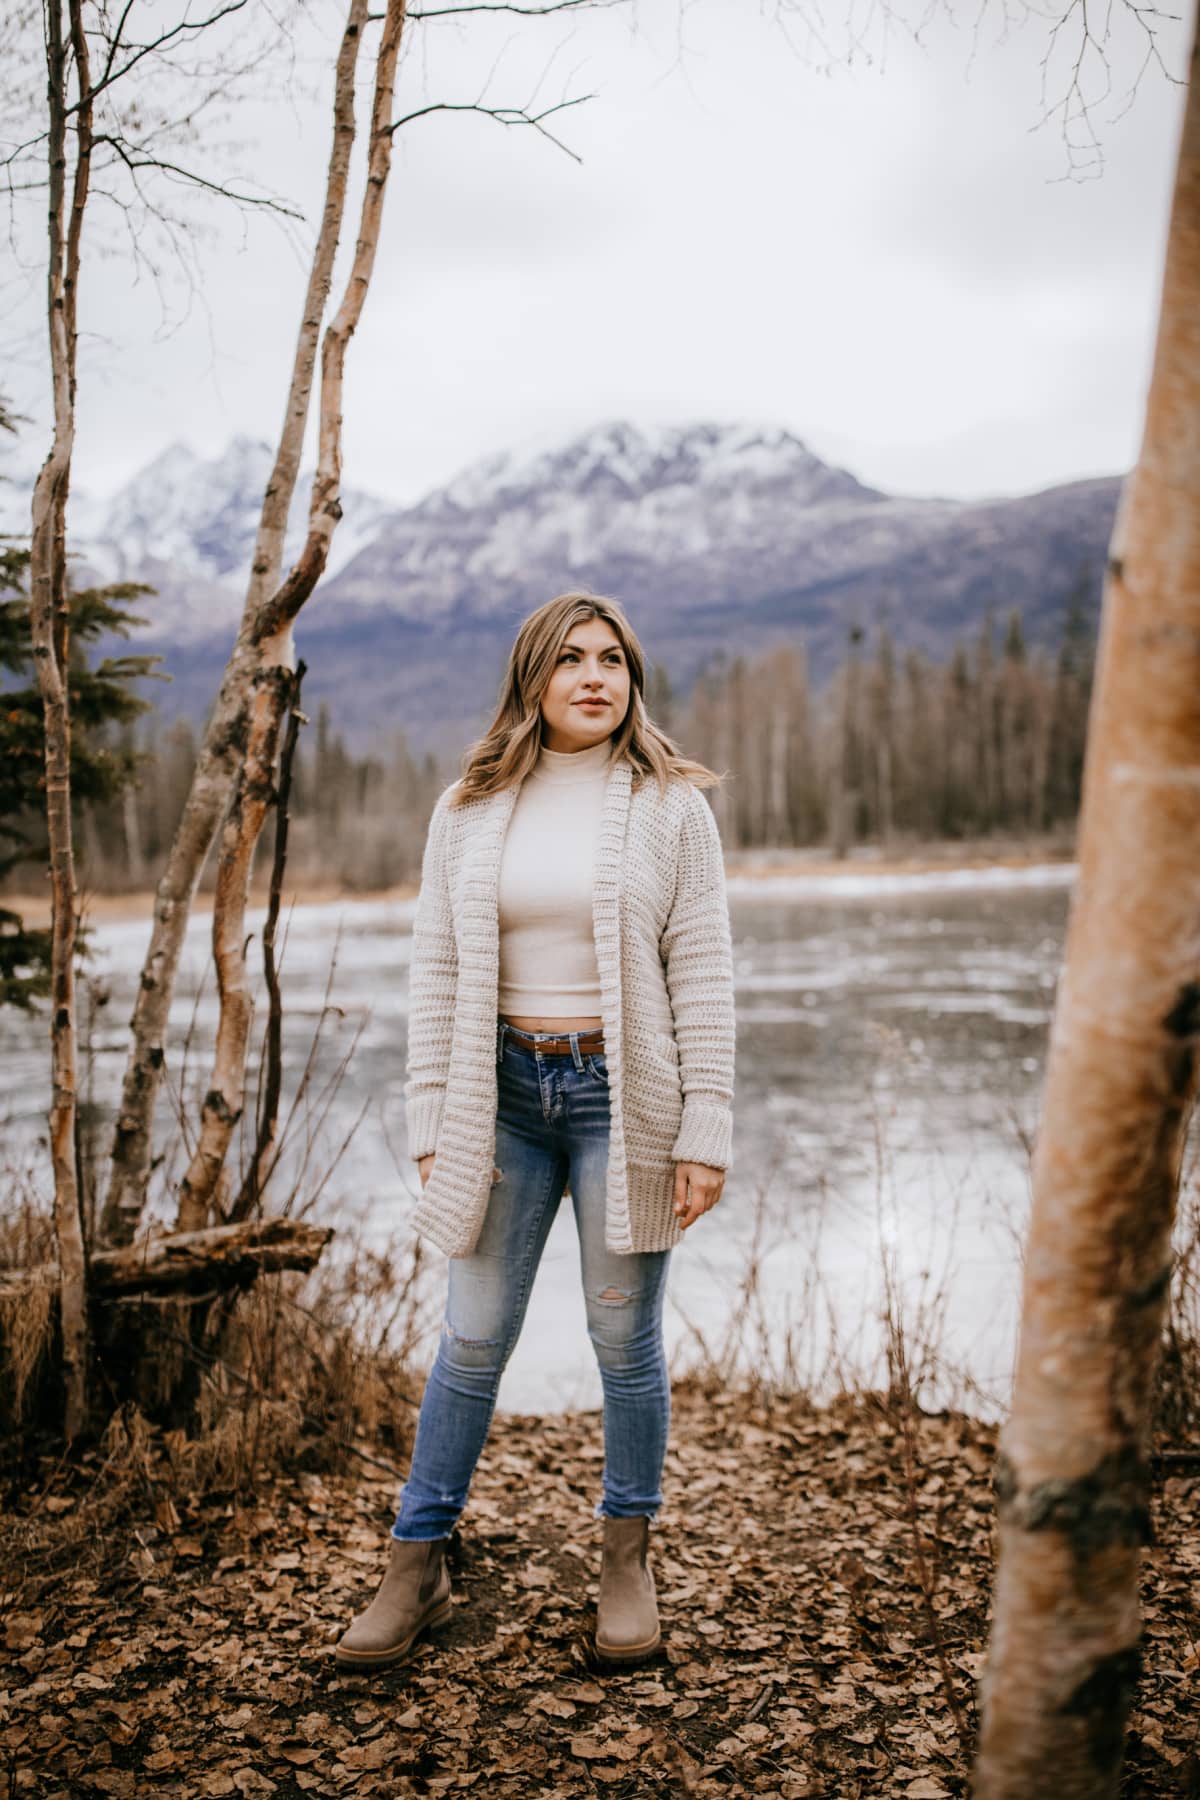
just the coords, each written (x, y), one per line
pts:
(270, 638)
(232, 786)
(1072, 1479)
(87, 55)
(228, 725)
(1072, 1482)
(49, 621)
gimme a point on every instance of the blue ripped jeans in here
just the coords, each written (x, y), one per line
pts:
(551, 1125)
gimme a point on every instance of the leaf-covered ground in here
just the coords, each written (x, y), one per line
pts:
(193, 1658)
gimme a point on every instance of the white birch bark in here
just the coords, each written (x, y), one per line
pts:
(271, 687)
(49, 629)
(1072, 1476)
(225, 737)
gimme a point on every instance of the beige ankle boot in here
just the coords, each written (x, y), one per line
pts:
(627, 1609)
(414, 1593)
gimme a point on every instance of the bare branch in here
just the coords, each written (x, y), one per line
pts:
(115, 43)
(134, 160)
(1081, 33)
(506, 6)
(503, 115)
(20, 150)
(185, 27)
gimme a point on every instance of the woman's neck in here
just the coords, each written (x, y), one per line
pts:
(573, 765)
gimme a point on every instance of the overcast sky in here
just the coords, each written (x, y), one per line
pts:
(887, 258)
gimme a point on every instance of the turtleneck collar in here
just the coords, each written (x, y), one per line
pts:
(560, 766)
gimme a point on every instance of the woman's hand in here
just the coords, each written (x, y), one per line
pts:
(425, 1166)
(705, 1186)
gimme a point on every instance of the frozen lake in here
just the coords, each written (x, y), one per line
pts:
(891, 1042)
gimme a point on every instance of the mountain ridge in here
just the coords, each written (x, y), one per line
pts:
(718, 538)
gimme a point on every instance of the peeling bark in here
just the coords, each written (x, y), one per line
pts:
(1072, 1482)
(227, 732)
(257, 1175)
(196, 1262)
(253, 796)
(272, 687)
(51, 647)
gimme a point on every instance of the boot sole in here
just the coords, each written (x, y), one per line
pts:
(383, 1659)
(628, 1652)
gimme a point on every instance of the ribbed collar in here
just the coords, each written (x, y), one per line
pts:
(560, 767)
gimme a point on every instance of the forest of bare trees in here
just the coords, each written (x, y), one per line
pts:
(897, 749)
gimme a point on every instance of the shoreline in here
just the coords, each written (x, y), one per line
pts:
(744, 869)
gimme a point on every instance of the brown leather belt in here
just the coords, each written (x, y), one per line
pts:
(591, 1042)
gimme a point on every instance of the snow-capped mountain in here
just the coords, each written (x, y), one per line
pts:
(200, 517)
(186, 524)
(616, 503)
(618, 462)
(719, 539)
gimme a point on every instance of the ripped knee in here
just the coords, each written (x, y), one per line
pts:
(614, 1296)
(468, 1343)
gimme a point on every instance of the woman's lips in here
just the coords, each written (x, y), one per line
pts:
(592, 705)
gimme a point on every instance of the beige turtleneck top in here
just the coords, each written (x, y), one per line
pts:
(547, 950)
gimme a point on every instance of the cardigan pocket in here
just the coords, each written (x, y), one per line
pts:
(653, 1097)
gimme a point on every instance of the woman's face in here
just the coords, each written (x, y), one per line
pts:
(591, 666)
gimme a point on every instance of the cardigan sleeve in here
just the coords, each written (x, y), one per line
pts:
(432, 985)
(697, 950)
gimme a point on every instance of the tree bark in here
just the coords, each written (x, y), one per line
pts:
(254, 793)
(227, 733)
(195, 1262)
(1072, 1475)
(49, 629)
(272, 686)
(258, 1174)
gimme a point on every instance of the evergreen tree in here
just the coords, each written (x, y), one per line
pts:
(101, 697)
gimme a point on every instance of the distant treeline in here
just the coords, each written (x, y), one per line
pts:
(358, 822)
(896, 747)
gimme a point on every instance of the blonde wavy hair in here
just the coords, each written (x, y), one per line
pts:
(511, 744)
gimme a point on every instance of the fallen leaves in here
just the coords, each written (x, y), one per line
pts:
(191, 1655)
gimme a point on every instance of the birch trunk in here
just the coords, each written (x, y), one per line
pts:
(226, 734)
(259, 1171)
(1072, 1475)
(272, 687)
(49, 629)
(254, 792)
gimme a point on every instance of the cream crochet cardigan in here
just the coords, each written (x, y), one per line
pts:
(661, 920)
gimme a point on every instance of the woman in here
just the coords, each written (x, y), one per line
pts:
(570, 1021)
